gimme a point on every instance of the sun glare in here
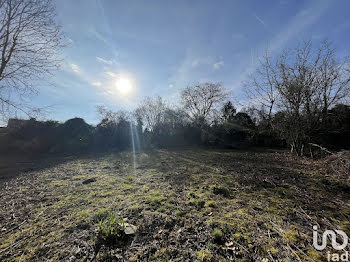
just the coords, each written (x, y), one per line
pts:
(124, 85)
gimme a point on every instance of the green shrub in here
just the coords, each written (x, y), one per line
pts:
(111, 230)
(217, 235)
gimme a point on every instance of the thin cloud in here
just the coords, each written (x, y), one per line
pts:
(200, 61)
(218, 65)
(195, 63)
(260, 20)
(111, 74)
(75, 68)
(296, 26)
(190, 67)
(105, 61)
(96, 83)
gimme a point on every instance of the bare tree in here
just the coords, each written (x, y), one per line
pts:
(29, 43)
(262, 86)
(202, 99)
(303, 83)
(333, 78)
(115, 116)
(151, 112)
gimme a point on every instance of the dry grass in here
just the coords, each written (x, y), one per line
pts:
(338, 165)
(204, 205)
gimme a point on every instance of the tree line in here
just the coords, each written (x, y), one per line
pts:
(298, 100)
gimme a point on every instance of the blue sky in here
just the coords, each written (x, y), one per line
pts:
(162, 46)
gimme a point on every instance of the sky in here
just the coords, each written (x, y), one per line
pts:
(161, 46)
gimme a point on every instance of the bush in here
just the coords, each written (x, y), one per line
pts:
(111, 230)
(217, 235)
(28, 136)
(112, 134)
(73, 136)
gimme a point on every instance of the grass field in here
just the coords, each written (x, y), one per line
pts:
(188, 205)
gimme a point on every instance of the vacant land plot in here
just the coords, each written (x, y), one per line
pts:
(204, 205)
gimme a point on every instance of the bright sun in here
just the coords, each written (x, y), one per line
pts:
(124, 85)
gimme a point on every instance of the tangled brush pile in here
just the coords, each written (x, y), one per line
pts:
(338, 165)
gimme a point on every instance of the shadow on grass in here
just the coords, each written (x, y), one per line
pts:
(14, 165)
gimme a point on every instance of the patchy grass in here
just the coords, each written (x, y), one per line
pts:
(189, 205)
(204, 255)
(217, 235)
(210, 203)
